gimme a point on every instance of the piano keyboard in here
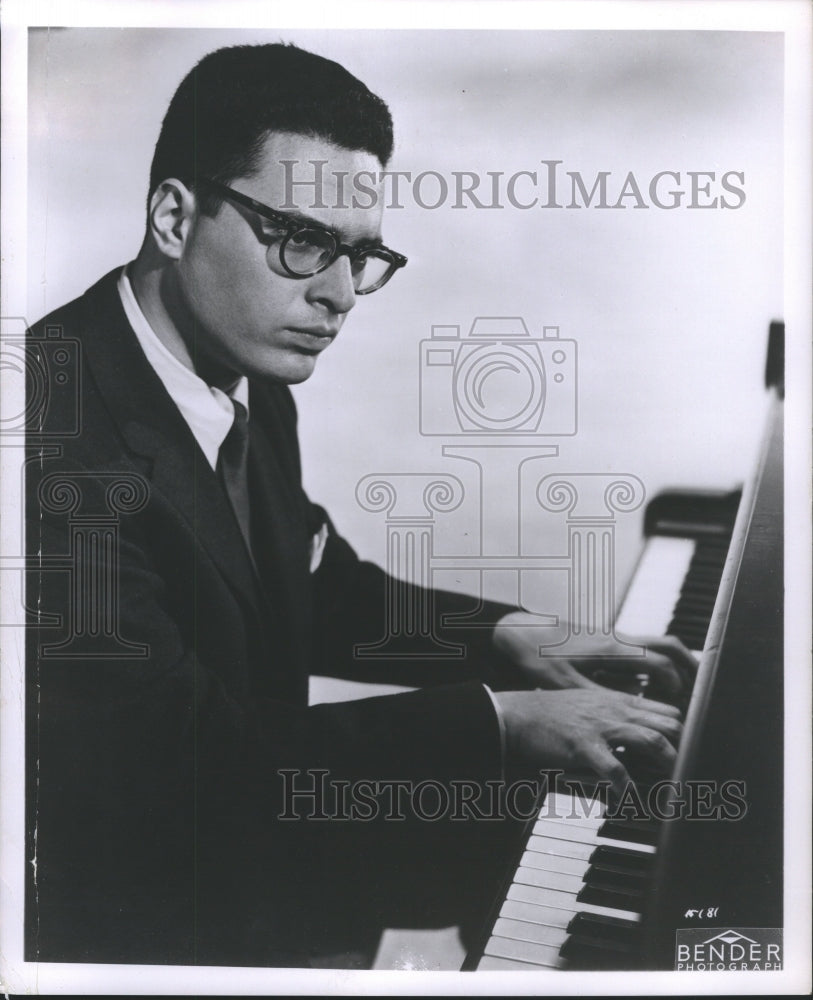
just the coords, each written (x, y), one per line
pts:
(576, 899)
(577, 894)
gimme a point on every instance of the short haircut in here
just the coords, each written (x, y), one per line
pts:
(234, 98)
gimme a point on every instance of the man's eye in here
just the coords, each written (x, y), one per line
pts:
(301, 239)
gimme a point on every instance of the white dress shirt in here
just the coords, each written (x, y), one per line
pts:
(207, 409)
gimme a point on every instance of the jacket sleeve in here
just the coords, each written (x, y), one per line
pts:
(376, 628)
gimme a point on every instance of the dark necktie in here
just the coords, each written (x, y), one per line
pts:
(232, 467)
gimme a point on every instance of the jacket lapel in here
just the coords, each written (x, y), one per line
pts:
(154, 428)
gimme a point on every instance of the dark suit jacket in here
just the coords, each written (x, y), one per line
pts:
(156, 732)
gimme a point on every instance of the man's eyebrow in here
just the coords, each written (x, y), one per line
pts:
(300, 219)
(306, 220)
(373, 241)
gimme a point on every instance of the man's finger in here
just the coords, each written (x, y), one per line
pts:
(657, 667)
(560, 673)
(676, 657)
(599, 757)
(663, 724)
(647, 744)
(648, 705)
(672, 647)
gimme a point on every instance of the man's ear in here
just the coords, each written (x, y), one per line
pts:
(172, 208)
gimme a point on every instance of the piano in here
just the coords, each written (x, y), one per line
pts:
(588, 892)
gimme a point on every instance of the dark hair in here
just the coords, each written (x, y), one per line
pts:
(228, 104)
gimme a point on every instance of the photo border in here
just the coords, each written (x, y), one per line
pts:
(792, 18)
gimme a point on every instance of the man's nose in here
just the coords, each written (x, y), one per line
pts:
(334, 286)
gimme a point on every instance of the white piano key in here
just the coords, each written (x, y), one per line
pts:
(520, 930)
(565, 901)
(513, 909)
(563, 831)
(586, 824)
(548, 880)
(654, 591)
(560, 848)
(627, 845)
(554, 863)
(568, 805)
(547, 829)
(543, 955)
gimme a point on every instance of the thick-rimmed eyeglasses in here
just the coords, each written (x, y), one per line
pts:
(303, 249)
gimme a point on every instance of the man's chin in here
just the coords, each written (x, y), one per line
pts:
(289, 371)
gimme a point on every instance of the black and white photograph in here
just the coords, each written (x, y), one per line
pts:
(474, 656)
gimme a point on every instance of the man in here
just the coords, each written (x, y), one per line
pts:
(168, 675)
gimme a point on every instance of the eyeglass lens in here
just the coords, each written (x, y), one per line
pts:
(307, 251)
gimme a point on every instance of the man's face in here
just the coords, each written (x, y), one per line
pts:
(237, 314)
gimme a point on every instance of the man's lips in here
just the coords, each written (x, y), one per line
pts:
(315, 337)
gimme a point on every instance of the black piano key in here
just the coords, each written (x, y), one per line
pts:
(622, 858)
(613, 878)
(708, 569)
(690, 619)
(692, 638)
(599, 928)
(697, 630)
(697, 603)
(635, 831)
(587, 953)
(701, 583)
(703, 589)
(700, 605)
(706, 555)
(703, 569)
(689, 640)
(618, 898)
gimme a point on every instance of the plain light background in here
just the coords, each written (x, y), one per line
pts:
(670, 309)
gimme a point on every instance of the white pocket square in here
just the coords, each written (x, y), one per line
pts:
(318, 547)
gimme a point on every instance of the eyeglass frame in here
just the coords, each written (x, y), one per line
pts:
(293, 225)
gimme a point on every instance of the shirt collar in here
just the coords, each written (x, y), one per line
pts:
(207, 410)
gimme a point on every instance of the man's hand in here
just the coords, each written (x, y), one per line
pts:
(579, 730)
(521, 637)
